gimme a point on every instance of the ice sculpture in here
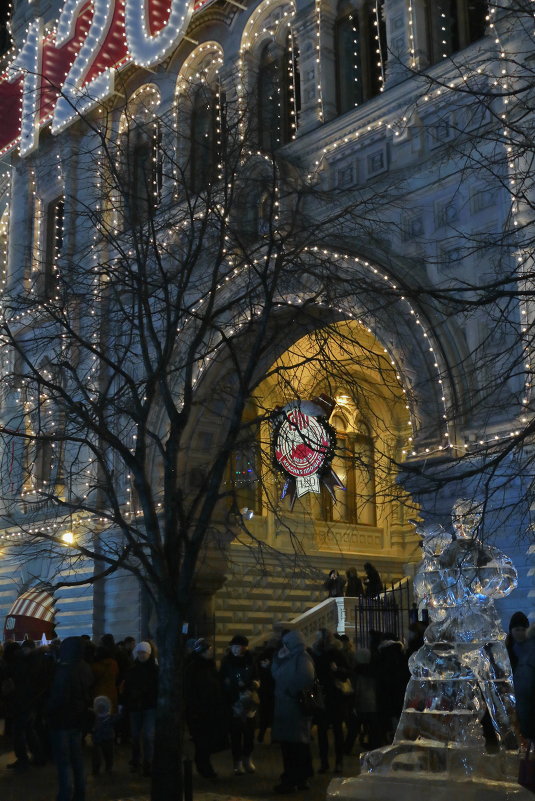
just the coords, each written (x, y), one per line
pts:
(457, 723)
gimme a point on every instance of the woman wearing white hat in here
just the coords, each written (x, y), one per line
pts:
(140, 697)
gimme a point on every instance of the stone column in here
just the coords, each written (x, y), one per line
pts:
(313, 28)
(20, 243)
(400, 24)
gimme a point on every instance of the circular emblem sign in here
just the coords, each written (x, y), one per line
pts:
(302, 444)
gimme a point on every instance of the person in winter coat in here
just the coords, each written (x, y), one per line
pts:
(266, 690)
(102, 734)
(365, 698)
(67, 710)
(239, 678)
(334, 585)
(372, 581)
(516, 638)
(27, 675)
(205, 706)
(333, 673)
(140, 697)
(524, 682)
(293, 671)
(391, 677)
(354, 586)
(106, 673)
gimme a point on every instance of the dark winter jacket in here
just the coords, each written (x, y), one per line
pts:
(391, 672)
(293, 672)
(70, 694)
(237, 673)
(141, 686)
(372, 582)
(331, 668)
(103, 728)
(335, 587)
(524, 682)
(206, 710)
(354, 586)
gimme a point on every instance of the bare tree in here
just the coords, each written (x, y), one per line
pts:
(168, 291)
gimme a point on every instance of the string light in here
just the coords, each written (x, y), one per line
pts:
(254, 35)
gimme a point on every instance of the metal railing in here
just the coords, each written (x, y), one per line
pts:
(387, 613)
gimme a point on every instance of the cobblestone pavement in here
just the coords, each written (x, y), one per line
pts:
(39, 783)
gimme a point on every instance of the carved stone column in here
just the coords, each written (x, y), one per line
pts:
(313, 29)
(399, 19)
(20, 241)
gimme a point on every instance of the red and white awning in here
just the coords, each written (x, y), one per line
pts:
(34, 603)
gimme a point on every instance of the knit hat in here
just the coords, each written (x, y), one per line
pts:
(143, 647)
(102, 705)
(239, 639)
(518, 620)
(201, 645)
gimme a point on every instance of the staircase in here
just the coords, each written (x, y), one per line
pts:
(255, 599)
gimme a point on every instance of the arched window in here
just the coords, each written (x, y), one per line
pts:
(53, 245)
(144, 182)
(360, 52)
(244, 464)
(354, 464)
(452, 25)
(341, 509)
(200, 120)
(265, 213)
(348, 58)
(365, 497)
(279, 94)
(203, 154)
(140, 167)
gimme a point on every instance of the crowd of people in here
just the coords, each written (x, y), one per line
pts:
(232, 707)
(54, 697)
(369, 585)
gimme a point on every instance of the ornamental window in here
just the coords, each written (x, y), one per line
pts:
(360, 53)
(354, 464)
(143, 169)
(53, 245)
(139, 180)
(204, 138)
(199, 121)
(452, 25)
(279, 94)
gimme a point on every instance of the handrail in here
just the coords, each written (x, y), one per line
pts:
(336, 614)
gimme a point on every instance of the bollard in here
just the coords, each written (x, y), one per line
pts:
(188, 780)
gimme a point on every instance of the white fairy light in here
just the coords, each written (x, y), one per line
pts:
(75, 98)
(148, 49)
(27, 64)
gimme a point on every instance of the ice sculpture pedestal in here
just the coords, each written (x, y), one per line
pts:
(423, 787)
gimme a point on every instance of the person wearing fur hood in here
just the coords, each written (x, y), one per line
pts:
(293, 671)
(524, 682)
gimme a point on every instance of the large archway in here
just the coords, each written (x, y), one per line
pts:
(368, 520)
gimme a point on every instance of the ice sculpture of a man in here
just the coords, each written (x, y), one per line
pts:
(459, 702)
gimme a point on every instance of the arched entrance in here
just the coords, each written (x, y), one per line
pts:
(291, 548)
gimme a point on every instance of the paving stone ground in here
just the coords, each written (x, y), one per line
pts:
(39, 783)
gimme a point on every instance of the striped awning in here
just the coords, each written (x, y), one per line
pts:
(34, 603)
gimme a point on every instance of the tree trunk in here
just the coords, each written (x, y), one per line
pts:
(167, 776)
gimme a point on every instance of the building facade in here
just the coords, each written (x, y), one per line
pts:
(387, 107)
